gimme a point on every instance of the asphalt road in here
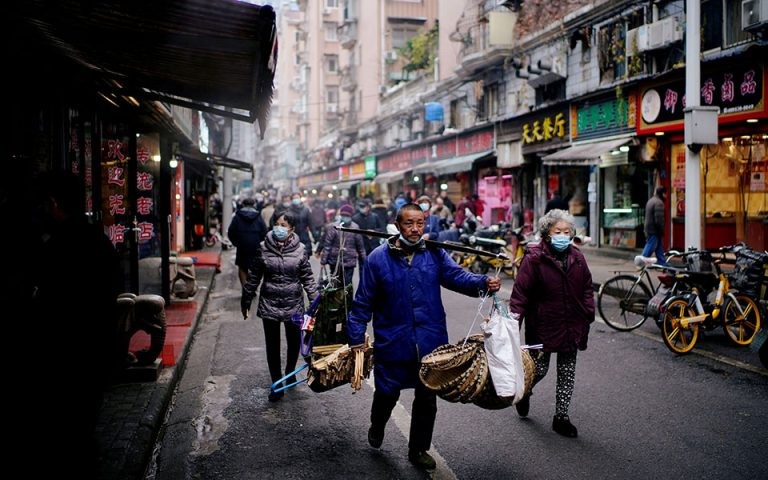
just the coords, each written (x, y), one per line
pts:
(642, 413)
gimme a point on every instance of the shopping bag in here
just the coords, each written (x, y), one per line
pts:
(502, 347)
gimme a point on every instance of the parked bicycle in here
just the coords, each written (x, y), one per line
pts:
(626, 300)
(695, 308)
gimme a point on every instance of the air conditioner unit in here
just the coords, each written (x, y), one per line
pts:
(331, 107)
(754, 15)
(637, 38)
(326, 11)
(390, 56)
(664, 33)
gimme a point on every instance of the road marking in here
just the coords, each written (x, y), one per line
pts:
(403, 422)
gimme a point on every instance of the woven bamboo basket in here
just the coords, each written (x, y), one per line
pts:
(448, 357)
(473, 383)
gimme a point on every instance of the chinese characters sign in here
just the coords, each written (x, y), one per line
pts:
(736, 90)
(115, 156)
(602, 118)
(544, 129)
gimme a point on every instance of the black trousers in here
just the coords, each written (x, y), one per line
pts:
(272, 340)
(423, 413)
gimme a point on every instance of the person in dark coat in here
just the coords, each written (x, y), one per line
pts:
(654, 226)
(352, 249)
(281, 267)
(553, 296)
(556, 202)
(76, 330)
(400, 290)
(368, 220)
(246, 232)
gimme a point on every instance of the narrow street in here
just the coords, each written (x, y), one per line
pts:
(641, 412)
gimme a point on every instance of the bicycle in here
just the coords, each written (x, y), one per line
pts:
(626, 300)
(683, 315)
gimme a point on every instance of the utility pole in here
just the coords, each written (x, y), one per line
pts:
(692, 160)
(700, 125)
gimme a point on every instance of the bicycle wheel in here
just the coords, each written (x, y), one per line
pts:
(741, 329)
(676, 337)
(621, 302)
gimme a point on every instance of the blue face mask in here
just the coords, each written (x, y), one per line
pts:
(408, 243)
(280, 232)
(560, 242)
(296, 202)
(424, 207)
(345, 219)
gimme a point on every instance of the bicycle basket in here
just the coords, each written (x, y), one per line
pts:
(700, 261)
(750, 271)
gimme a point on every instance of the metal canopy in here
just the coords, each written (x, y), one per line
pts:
(212, 160)
(389, 177)
(584, 154)
(213, 55)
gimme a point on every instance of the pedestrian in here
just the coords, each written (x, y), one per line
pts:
(246, 232)
(350, 247)
(366, 219)
(654, 226)
(556, 202)
(282, 268)
(432, 226)
(447, 201)
(400, 290)
(553, 296)
(73, 319)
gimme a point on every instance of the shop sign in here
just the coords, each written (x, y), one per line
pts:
(357, 170)
(344, 172)
(738, 91)
(545, 129)
(145, 219)
(602, 118)
(370, 166)
(115, 155)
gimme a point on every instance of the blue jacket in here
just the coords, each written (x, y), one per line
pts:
(405, 305)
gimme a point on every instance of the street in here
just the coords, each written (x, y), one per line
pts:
(642, 412)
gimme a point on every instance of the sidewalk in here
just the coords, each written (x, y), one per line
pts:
(133, 412)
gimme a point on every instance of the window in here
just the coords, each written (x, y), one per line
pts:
(721, 24)
(454, 118)
(611, 57)
(330, 31)
(331, 3)
(332, 63)
(332, 95)
(550, 92)
(402, 33)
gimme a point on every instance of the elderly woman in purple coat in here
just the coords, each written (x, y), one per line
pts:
(553, 296)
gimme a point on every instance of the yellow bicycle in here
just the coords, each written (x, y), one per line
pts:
(684, 314)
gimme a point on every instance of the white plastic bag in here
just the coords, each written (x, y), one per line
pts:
(502, 347)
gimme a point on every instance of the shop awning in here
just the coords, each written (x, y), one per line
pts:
(458, 164)
(217, 56)
(346, 185)
(584, 154)
(226, 162)
(389, 177)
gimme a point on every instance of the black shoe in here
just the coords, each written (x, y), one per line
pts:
(564, 427)
(375, 437)
(523, 406)
(291, 380)
(275, 396)
(421, 459)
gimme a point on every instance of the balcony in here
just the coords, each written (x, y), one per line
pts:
(348, 78)
(348, 34)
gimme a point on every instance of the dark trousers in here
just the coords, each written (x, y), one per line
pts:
(423, 413)
(272, 339)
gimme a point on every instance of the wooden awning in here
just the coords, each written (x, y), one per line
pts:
(217, 56)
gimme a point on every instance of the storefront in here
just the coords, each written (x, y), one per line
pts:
(619, 182)
(734, 192)
(542, 133)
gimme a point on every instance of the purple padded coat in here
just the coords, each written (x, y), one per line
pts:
(557, 305)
